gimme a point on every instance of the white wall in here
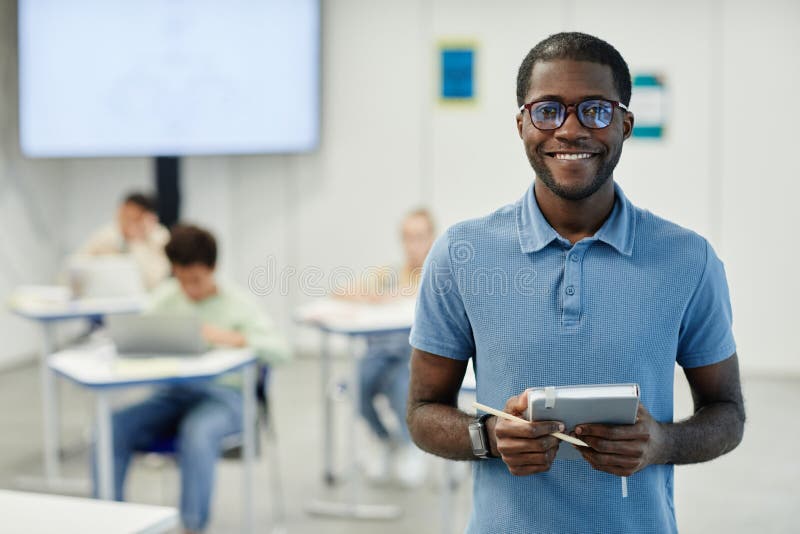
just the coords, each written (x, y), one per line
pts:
(760, 179)
(388, 145)
(30, 206)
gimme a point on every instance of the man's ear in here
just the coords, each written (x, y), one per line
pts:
(519, 124)
(627, 125)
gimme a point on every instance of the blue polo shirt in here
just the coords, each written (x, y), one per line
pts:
(533, 310)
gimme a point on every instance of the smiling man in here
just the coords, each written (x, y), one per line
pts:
(584, 288)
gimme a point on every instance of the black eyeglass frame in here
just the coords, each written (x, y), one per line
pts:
(614, 104)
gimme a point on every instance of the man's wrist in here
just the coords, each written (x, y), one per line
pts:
(490, 423)
(663, 438)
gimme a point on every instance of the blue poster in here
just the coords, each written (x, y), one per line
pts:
(457, 73)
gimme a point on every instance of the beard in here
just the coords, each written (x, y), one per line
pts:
(602, 176)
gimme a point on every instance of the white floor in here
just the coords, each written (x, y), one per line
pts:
(754, 489)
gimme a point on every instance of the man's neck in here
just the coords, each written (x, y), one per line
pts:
(575, 219)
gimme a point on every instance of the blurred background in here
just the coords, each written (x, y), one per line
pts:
(377, 136)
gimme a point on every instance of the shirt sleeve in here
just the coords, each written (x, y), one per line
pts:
(705, 335)
(441, 325)
(263, 337)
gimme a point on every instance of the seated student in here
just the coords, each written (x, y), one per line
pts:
(136, 232)
(384, 369)
(200, 414)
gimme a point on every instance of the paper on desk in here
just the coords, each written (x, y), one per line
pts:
(39, 297)
(394, 313)
(146, 367)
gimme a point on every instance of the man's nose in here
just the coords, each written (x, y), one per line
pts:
(572, 129)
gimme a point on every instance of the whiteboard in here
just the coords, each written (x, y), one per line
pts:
(168, 77)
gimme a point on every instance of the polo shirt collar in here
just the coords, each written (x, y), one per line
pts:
(535, 232)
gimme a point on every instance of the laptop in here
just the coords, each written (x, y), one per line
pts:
(102, 277)
(156, 335)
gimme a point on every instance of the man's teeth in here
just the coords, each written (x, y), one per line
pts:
(573, 156)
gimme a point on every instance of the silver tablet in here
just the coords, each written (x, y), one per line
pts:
(614, 404)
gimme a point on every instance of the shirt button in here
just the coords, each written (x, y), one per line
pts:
(573, 257)
(570, 290)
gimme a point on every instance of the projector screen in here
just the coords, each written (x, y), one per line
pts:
(168, 77)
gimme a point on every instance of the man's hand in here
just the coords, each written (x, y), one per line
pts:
(135, 230)
(622, 449)
(525, 448)
(219, 336)
(149, 225)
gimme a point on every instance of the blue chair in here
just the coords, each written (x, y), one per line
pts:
(232, 445)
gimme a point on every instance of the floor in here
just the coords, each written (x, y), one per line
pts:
(753, 489)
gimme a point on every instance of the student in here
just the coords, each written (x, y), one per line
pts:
(200, 414)
(586, 288)
(138, 233)
(384, 368)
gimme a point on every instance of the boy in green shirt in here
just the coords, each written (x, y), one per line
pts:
(201, 414)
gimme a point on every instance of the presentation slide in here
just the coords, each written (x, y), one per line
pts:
(168, 77)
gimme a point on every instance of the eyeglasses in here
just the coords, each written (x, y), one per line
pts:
(592, 113)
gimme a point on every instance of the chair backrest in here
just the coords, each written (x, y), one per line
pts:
(262, 383)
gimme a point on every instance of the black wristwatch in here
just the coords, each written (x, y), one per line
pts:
(479, 437)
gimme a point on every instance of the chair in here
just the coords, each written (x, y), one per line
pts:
(232, 446)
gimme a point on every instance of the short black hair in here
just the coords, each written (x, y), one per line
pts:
(143, 200)
(189, 244)
(577, 47)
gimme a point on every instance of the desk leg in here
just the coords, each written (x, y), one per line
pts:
(249, 445)
(352, 508)
(327, 412)
(355, 398)
(50, 415)
(51, 464)
(105, 466)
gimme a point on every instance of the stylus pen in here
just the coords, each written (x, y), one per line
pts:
(504, 415)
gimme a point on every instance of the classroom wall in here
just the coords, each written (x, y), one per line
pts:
(760, 179)
(388, 145)
(30, 206)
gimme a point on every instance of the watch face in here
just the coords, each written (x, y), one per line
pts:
(476, 434)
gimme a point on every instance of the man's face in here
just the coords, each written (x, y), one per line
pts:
(417, 237)
(196, 280)
(571, 82)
